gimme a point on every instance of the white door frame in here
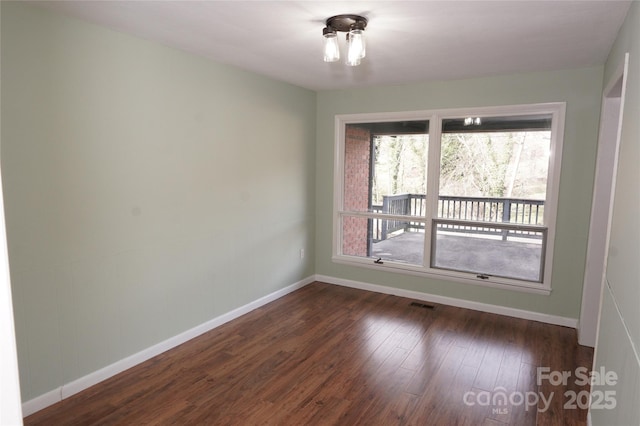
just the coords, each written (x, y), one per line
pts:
(601, 208)
(10, 404)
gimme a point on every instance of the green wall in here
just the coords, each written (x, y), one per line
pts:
(580, 89)
(147, 191)
(618, 347)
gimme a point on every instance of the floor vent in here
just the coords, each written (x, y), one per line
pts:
(422, 305)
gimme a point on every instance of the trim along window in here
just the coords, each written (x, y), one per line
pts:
(466, 194)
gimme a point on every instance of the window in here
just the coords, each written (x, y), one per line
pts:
(467, 194)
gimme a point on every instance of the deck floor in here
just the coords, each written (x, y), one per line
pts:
(490, 256)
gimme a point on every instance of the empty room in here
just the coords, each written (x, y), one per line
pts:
(309, 212)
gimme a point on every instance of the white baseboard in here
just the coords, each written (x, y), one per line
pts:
(42, 401)
(68, 389)
(460, 303)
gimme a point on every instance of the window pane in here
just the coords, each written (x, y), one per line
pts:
(492, 251)
(355, 236)
(385, 167)
(363, 237)
(385, 172)
(400, 174)
(357, 168)
(493, 169)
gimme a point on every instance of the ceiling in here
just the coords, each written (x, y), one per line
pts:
(407, 41)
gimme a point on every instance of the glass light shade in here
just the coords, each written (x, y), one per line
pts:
(357, 48)
(331, 49)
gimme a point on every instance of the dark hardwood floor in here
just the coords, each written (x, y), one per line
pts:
(327, 354)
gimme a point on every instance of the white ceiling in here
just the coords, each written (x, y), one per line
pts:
(407, 41)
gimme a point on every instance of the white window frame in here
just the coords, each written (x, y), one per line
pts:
(435, 117)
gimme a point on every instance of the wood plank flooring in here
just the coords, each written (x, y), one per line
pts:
(330, 355)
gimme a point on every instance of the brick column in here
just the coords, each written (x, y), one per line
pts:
(357, 159)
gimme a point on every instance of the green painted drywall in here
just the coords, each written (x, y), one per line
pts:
(147, 190)
(580, 89)
(618, 346)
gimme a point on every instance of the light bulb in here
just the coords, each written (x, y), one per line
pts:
(331, 49)
(357, 49)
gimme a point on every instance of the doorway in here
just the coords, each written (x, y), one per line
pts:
(600, 224)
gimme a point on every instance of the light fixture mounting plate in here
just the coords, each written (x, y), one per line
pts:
(346, 23)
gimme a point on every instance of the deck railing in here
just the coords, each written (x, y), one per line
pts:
(484, 209)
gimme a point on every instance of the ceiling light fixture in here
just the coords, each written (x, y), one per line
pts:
(354, 26)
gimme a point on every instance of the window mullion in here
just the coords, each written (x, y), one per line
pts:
(433, 182)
